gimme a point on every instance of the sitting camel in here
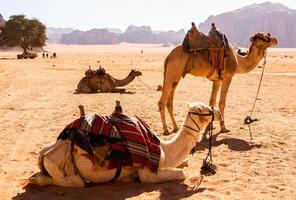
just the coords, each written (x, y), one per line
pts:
(66, 164)
(179, 63)
(99, 80)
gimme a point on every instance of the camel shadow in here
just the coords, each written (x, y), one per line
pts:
(120, 91)
(168, 190)
(232, 143)
(3, 58)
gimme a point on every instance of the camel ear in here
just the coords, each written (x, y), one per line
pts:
(251, 39)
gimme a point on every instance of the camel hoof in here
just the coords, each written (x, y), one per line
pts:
(224, 130)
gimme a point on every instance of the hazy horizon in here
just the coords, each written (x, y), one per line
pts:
(158, 14)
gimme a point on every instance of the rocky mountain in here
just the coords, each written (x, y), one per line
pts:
(54, 35)
(133, 34)
(93, 36)
(2, 21)
(239, 25)
(144, 34)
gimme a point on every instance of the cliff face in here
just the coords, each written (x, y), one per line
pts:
(54, 35)
(133, 34)
(2, 21)
(239, 25)
(93, 36)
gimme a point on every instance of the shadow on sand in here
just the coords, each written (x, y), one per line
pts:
(168, 190)
(120, 91)
(9, 58)
(232, 143)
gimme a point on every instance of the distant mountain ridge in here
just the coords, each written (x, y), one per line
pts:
(239, 25)
(133, 34)
(54, 35)
(93, 36)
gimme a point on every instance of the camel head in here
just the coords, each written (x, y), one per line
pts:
(135, 73)
(263, 40)
(201, 114)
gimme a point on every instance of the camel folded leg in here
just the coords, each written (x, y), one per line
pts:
(57, 167)
(41, 179)
(168, 174)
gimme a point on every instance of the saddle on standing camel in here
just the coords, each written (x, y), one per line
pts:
(217, 44)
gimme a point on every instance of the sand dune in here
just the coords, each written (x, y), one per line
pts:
(37, 101)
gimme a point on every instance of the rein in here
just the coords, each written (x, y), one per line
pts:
(248, 120)
(207, 168)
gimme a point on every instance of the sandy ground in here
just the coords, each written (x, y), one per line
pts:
(37, 101)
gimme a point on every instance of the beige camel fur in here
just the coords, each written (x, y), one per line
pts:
(178, 64)
(57, 168)
(92, 82)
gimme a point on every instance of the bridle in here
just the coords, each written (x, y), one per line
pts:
(261, 38)
(197, 129)
(207, 168)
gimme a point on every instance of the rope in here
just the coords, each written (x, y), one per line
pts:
(208, 168)
(248, 120)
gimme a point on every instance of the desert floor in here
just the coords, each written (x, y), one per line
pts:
(37, 101)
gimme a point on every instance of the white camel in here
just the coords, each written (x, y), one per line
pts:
(57, 168)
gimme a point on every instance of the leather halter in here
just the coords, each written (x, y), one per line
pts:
(211, 113)
(261, 38)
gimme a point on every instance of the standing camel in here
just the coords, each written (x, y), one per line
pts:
(179, 63)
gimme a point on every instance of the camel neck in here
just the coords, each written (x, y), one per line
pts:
(177, 149)
(250, 61)
(125, 81)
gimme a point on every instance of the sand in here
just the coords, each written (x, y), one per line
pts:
(37, 101)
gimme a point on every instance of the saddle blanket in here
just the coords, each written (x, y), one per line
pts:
(131, 133)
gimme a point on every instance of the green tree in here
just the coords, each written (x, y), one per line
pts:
(20, 31)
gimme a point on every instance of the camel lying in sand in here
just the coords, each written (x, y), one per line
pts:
(57, 168)
(99, 80)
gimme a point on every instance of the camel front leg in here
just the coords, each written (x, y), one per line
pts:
(224, 90)
(168, 174)
(215, 89)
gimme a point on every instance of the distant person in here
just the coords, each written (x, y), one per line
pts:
(54, 55)
(51, 57)
(43, 55)
(47, 55)
(142, 51)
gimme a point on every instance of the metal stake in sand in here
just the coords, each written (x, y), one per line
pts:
(248, 120)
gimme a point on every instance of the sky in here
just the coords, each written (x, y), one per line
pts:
(158, 14)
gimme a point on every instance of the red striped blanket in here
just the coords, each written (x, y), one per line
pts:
(133, 134)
